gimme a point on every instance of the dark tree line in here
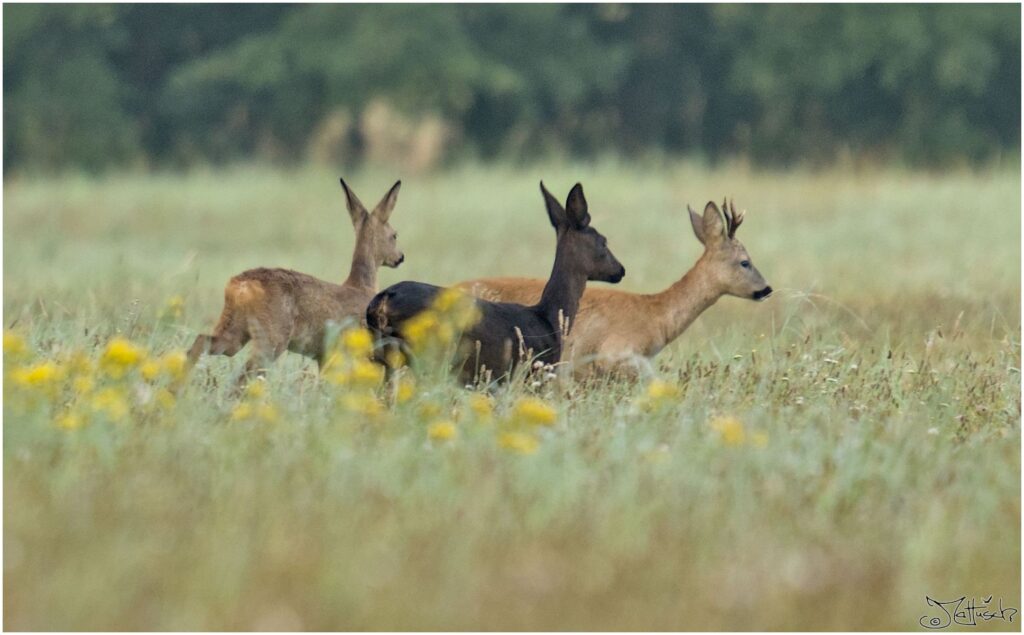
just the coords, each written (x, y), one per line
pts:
(93, 86)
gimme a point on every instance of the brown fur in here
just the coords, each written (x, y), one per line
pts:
(616, 329)
(280, 309)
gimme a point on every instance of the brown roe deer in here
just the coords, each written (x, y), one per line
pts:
(281, 309)
(491, 346)
(615, 330)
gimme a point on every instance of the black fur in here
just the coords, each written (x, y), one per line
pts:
(494, 343)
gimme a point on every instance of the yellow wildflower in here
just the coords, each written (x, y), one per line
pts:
(394, 358)
(534, 411)
(247, 410)
(659, 393)
(481, 406)
(428, 410)
(14, 345)
(112, 403)
(406, 389)
(730, 429)
(365, 373)
(458, 307)
(448, 298)
(358, 342)
(79, 363)
(173, 364)
(444, 333)
(42, 375)
(660, 389)
(420, 327)
(82, 384)
(518, 442)
(164, 399)
(174, 308)
(468, 317)
(362, 403)
(69, 421)
(256, 389)
(442, 431)
(242, 411)
(267, 412)
(150, 370)
(120, 356)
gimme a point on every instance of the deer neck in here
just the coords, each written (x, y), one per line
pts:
(560, 299)
(364, 266)
(685, 300)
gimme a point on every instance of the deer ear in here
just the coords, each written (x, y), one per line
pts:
(387, 204)
(698, 224)
(576, 207)
(556, 213)
(355, 206)
(713, 224)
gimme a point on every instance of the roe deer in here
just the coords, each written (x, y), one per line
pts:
(581, 254)
(280, 309)
(615, 328)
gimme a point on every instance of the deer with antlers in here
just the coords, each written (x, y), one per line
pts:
(281, 309)
(614, 330)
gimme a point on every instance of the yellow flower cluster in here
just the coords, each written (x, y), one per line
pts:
(405, 389)
(348, 363)
(120, 357)
(362, 403)
(732, 432)
(170, 366)
(111, 403)
(348, 366)
(43, 375)
(520, 442)
(255, 404)
(533, 411)
(452, 312)
(174, 309)
(477, 408)
(521, 422)
(659, 393)
(481, 407)
(15, 347)
(106, 385)
(442, 431)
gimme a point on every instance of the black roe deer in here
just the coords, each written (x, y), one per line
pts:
(492, 346)
(281, 309)
(615, 329)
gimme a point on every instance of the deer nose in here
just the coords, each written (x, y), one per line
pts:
(620, 275)
(763, 293)
(401, 259)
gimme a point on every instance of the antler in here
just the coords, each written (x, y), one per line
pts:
(732, 219)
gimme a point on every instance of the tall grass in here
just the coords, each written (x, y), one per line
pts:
(823, 460)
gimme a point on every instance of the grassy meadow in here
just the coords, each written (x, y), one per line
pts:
(822, 460)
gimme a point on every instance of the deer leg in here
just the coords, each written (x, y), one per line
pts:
(267, 346)
(223, 344)
(229, 336)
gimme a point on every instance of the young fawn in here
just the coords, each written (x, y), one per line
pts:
(490, 346)
(615, 329)
(280, 309)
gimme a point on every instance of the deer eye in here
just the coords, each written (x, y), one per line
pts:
(745, 264)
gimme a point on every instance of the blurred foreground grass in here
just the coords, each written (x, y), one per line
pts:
(820, 461)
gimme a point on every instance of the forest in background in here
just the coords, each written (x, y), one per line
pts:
(91, 87)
